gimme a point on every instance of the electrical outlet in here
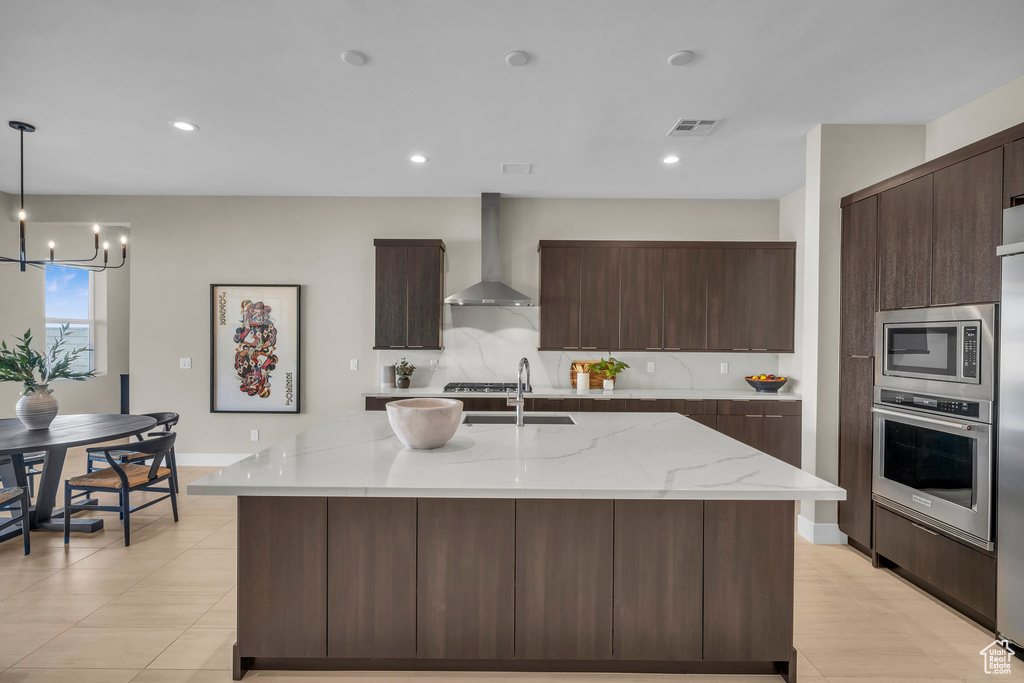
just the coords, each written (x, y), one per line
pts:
(255, 435)
(433, 365)
(650, 366)
(725, 368)
(353, 364)
(185, 363)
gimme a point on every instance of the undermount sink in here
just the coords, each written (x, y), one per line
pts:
(511, 420)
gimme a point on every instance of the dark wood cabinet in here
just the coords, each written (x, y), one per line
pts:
(772, 292)
(856, 379)
(686, 301)
(409, 285)
(599, 299)
(1013, 173)
(603, 405)
(962, 575)
(371, 587)
(641, 299)
(563, 599)
(557, 405)
(649, 405)
(781, 431)
(560, 298)
(968, 226)
(282, 577)
(465, 582)
(729, 299)
(658, 592)
(905, 245)
(739, 535)
(859, 277)
(743, 421)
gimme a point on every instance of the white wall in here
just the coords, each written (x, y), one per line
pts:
(180, 245)
(992, 112)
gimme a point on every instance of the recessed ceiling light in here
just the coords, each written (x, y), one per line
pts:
(680, 58)
(353, 58)
(517, 58)
(670, 159)
(184, 125)
(418, 159)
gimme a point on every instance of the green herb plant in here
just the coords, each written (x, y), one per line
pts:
(22, 363)
(608, 367)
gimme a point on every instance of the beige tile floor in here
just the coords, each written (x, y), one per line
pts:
(163, 611)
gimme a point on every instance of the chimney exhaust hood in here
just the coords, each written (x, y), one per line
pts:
(490, 291)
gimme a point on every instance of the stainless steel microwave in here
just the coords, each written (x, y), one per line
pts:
(947, 350)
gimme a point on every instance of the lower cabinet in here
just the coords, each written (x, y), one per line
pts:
(563, 579)
(856, 378)
(743, 421)
(781, 433)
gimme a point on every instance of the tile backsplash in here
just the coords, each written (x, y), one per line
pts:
(484, 344)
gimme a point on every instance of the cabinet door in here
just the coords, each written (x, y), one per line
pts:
(282, 576)
(772, 296)
(859, 278)
(781, 438)
(560, 298)
(465, 582)
(968, 228)
(1013, 172)
(602, 405)
(686, 300)
(563, 579)
(425, 275)
(659, 560)
(649, 405)
(641, 298)
(856, 378)
(599, 300)
(748, 429)
(553, 404)
(371, 586)
(729, 299)
(391, 297)
(905, 245)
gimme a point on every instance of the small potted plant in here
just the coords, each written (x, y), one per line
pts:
(35, 370)
(608, 368)
(403, 373)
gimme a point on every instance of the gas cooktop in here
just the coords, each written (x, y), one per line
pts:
(483, 387)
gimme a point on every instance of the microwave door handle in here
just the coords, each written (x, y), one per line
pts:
(921, 418)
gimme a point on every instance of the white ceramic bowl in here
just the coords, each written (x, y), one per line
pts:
(425, 422)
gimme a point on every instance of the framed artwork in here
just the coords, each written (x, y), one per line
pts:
(255, 349)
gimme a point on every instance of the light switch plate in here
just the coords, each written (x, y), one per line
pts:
(255, 435)
(433, 365)
(353, 364)
(185, 363)
(725, 368)
(650, 366)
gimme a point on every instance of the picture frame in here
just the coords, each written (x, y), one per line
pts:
(255, 348)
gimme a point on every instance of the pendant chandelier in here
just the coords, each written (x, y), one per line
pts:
(91, 264)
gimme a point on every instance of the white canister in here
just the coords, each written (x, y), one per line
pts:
(387, 377)
(582, 382)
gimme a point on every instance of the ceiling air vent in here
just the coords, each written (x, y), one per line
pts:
(694, 127)
(517, 169)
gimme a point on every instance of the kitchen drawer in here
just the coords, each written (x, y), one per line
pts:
(695, 407)
(553, 404)
(602, 405)
(650, 405)
(961, 572)
(378, 402)
(486, 404)
(781, 407)
(741, 407)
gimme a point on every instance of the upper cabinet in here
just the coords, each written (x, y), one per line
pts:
(859, 293)
(905, 245)
(667, 296)
(1013, 173)
(409, 288)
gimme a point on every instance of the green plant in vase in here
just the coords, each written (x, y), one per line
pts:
(403, 373)
(35, 370)
(608, 368)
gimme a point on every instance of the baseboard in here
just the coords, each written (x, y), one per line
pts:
(821, 534)
(209, 459)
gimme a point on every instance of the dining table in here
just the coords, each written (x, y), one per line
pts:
(66, 431)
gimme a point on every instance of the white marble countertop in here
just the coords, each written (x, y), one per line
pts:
(568, 392)
(602, 456)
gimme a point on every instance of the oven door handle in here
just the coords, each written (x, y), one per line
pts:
(921, 418)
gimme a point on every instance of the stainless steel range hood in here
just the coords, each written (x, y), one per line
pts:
(490, 291)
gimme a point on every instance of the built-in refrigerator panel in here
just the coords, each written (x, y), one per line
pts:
(1010, 444)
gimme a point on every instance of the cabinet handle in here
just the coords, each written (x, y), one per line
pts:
(753, 416)
(773, 416)
(413, 347)
(570, 348)
(602, 399)
(673, 348)
(648, 399)
(856, 356)
(758, 349)
(926, 529)
(741, 349)
(653, 348)
(589, 348)
(921, 306)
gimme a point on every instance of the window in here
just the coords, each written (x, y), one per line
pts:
(69, 301)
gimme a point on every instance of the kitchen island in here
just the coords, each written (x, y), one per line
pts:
(625, 542)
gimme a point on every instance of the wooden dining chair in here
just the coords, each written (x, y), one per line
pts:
(33, 462)
(124, 477)
(168, 421)
(8, 498)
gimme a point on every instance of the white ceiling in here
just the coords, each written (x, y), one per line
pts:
(281, 114)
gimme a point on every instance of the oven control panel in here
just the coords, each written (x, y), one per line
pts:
(938, 404)
(970, 345)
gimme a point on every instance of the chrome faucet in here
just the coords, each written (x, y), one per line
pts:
(518, 401)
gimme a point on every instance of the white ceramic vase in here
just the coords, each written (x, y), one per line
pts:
(37, 408)
(582, 382)
(609, 386)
